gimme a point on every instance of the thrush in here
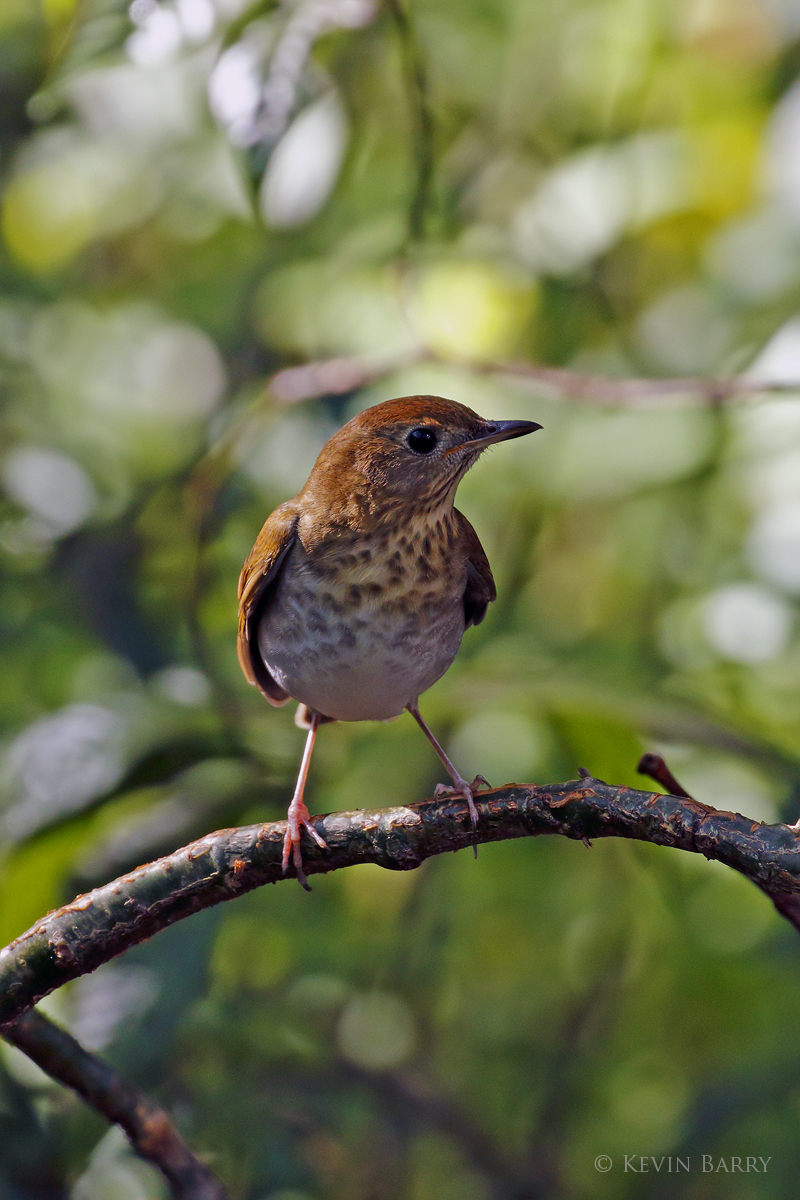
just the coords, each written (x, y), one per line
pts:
(357, 592)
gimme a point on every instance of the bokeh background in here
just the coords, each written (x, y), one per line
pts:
(197, 195)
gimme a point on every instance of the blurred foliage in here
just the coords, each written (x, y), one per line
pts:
(197, 193)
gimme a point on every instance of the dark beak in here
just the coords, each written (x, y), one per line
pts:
(502, 431)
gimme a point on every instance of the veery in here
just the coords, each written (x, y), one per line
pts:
(357, 592)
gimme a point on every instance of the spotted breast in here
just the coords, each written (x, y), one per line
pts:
(360, 626)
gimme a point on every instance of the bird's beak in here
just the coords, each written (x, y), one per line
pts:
(502, 431)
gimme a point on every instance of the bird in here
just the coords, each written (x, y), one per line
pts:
(358, 591)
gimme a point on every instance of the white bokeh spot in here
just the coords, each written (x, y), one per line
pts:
(779, 361)
(304, 165)
(747, 623)
(773, 547)
(52, 486)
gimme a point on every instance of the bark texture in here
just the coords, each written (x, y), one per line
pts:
(96, 927)
(146, 1124)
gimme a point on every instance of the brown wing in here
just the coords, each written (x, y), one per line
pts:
(480, 589)
(259, 575)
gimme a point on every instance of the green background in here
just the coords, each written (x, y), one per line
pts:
(608, 186)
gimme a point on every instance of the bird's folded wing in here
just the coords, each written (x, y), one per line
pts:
(259, 576)
(480, 589)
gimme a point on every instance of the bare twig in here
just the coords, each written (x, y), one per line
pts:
(330, 377)
(146, 1124)
(336, 376)
(96, 927)
(653, 765)
(632, 391)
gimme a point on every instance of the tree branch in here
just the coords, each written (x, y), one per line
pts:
(787, 904)
(96, 927)
(146, 1124)
(336, 376)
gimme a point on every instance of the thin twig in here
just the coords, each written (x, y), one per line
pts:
(337, 376)
(653, 765)
(631, 391)
(331, 377)
(146, 1124)
(96, 927)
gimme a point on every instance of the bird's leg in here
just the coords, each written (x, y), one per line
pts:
(461, 787)
(298, 816)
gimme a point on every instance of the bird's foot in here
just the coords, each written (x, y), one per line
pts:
(298, 819)
(460, 787)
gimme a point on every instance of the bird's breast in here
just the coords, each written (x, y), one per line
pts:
(361, 627)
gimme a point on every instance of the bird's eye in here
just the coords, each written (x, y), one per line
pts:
(421, 441)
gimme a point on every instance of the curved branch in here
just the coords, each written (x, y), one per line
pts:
(653, 765)
(146, 1124)
(76, 939)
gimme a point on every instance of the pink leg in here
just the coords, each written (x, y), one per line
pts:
(298, 816)
(461, 787)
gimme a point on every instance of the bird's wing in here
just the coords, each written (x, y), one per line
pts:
(480, 589)
(258, 578)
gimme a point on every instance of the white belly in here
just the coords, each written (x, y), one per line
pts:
(362, 664)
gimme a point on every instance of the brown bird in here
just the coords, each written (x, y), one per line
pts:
(356, 595)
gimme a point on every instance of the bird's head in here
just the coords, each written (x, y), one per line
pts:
(411, 450)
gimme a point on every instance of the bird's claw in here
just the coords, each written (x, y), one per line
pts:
(467, 790)
(298, 819)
